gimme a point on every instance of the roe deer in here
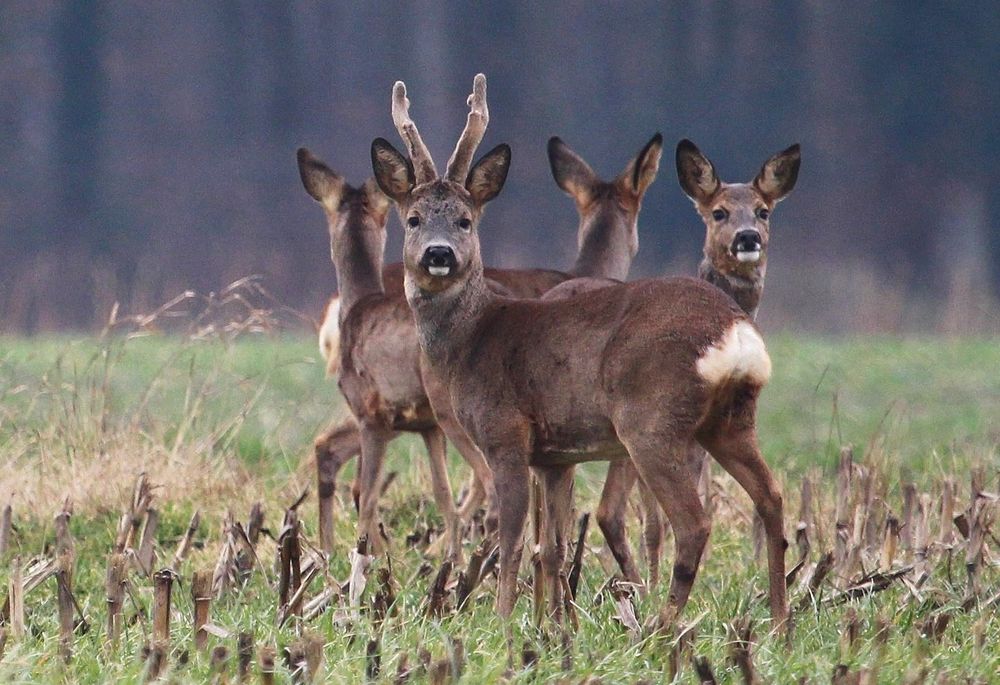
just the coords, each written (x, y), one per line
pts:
(375, 332)
(737, 233)
(607, 241)
(637, 371)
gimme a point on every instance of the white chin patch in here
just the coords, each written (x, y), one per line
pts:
(748, 256)
(439, 270)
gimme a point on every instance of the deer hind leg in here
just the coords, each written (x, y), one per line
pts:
(655, 527)
(374, 440)
(333, 449)
(557, 484)
(437, 454)
(661, 462)
(611, 513)
(734, 446)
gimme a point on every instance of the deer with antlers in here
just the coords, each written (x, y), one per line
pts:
(638, 371)
(607, 242)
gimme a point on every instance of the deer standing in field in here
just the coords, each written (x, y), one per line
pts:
(639, 371)
(737, 233)
(375, 332)
(607, 242)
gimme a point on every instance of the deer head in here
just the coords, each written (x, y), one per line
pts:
(440, 215)
(356, 219)
(608, 237)
(736, 215)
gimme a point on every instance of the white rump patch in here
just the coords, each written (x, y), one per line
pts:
(739, 355)
(748, 256)
(329, 336)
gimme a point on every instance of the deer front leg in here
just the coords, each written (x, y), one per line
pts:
(483, 487)
(333, 449)
(512, 481)
(557, 483)
(374, 439)
(436, 452)
(652, 533)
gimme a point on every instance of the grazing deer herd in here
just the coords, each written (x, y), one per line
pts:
(530, 372)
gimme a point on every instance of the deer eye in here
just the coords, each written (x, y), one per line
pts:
(762, 213)
(464, 224)
(413, 221)
(720, 214)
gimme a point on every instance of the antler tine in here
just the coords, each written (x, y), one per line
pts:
(423, 165)
(475, 128)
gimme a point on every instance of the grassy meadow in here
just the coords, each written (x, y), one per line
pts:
(218, 423)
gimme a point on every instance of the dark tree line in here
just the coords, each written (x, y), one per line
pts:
(149, 148)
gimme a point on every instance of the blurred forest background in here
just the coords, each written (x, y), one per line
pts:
(149, 148)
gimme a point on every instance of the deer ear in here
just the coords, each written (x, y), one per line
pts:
(322, 183)
(393, 171)
(695, 172)
(571, 173)
(486, 178)
(778, 175)
(640, 173)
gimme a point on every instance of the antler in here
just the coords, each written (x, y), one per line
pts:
(475, 128)
(423, 165)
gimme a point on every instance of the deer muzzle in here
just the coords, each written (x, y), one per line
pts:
(439, 260)
(747, 246)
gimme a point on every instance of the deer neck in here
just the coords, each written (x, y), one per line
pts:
(606, 249)
(446, 318)
(358, 260)
(745, 288)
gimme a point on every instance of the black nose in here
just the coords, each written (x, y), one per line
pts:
(747, 241)
(438, 256)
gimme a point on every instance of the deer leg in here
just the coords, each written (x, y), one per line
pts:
(440, 401)
(437, 453)
(374, 439)
(652, 533)
(512, 481)
(333, 449)
(557, 484)
(611, 514)
(738, 453)
(662, 466)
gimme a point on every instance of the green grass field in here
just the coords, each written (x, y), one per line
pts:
(221, 425)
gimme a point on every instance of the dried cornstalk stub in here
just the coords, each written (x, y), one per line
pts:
(438, 595)
(373, 659)
(115, 590)
(304, 658)
(469, 579)
(219, 663)
(6, 526)
(360, 562)
(741, 649)
(244, 656)
(186, 541)
(266, 657)
(163, 581)
(156, 660)
(146, 553)
(201, 595)
(16, 598)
